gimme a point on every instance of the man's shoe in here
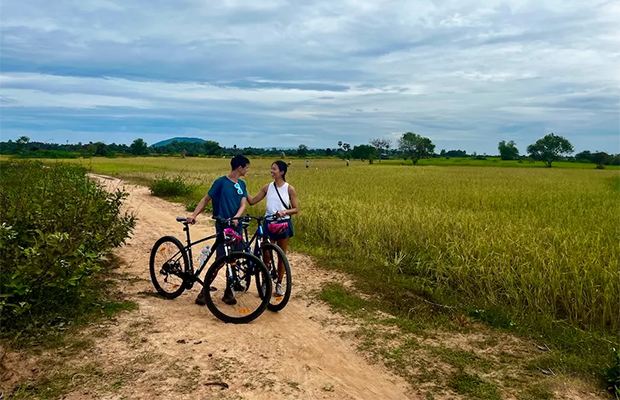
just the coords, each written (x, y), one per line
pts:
(279, 290)
(201, 300)
(229, 298)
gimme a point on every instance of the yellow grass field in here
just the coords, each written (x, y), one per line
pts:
(542, 241)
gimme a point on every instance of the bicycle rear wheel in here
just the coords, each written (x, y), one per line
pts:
(228, 275)
(276, 262)
(168, 263)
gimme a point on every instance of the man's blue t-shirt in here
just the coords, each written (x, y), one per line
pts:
(225, 197)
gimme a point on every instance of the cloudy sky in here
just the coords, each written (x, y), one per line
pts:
(466, 73)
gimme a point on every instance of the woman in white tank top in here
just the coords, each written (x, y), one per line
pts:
(278, 200)
(281, 202)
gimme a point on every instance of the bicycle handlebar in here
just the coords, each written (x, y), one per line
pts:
(269, 218)
(228, 221)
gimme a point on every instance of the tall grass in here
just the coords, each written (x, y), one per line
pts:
(494, 162)
(541, 241)
(538, 241)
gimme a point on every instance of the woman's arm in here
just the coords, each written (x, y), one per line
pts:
(292, 194)
(256, 199)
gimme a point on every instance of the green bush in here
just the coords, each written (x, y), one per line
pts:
(48, 154)
(56, 229)
(164, 187)
(613, 374)
(191, 206)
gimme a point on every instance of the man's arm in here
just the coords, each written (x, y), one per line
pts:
(201, 206)
(241, 209)
(259, 196)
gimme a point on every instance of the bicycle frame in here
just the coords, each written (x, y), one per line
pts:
(219, 241)
(259, 236)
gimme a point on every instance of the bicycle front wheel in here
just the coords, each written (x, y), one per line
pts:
(167, 265)
(232, 300)
(280, 273)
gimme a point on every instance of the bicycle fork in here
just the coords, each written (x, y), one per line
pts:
(230, 270)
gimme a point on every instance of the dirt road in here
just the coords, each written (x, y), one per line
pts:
(173, 348)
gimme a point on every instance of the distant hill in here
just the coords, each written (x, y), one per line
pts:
(178, 139)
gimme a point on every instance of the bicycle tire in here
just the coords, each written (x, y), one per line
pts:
(249, 305)
(160, 265)
(276, 303)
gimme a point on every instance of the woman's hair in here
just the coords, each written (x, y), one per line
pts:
(282, 167)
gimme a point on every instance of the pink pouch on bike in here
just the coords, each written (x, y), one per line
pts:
(234, 236)
(278, 228)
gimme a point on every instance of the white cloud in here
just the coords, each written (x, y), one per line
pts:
(465, 70)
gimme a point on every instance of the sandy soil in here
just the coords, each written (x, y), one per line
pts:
(176, 349)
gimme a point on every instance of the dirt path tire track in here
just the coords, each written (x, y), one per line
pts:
(282, 355)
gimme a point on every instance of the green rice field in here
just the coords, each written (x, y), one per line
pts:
(539, 241)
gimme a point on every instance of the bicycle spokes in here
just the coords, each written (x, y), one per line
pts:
(279, 273)
(167, 266)
(234, 295)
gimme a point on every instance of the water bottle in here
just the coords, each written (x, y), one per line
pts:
(203, 255)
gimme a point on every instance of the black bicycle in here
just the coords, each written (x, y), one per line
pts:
(226, 287)
(275, 260)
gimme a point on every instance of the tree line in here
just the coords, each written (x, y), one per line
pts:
(25, 148)
(410, 146)
(548, 149)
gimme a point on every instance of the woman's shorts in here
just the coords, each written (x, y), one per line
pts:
(287, 234)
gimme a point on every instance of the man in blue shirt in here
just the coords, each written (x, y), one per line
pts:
(229, 195)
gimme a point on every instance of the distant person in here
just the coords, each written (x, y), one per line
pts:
(282, 202)
(307, 163)
(183, 153)
(347, 162)
(229, 195)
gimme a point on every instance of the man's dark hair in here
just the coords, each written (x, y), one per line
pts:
(238, 161)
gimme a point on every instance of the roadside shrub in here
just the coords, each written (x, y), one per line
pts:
(48, 154)
(191, 206)
(56, 229)
(164, 187)
(613, 374)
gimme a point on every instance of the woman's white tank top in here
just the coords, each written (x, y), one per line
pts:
(273, 201)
